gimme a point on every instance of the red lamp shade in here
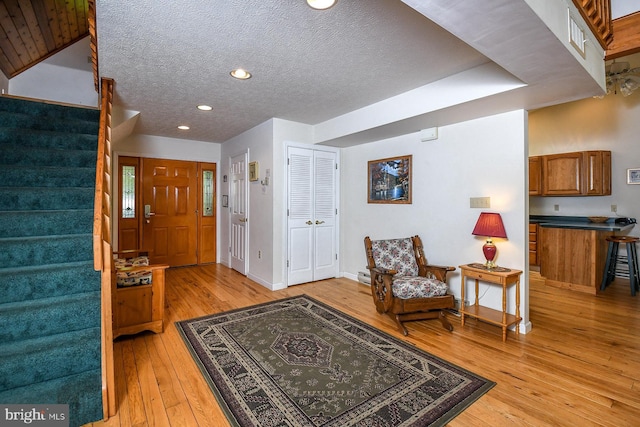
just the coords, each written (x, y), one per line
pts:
(490, 225)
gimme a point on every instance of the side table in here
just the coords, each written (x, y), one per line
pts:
(500, 276)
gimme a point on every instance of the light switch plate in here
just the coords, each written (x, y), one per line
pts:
(480, 202)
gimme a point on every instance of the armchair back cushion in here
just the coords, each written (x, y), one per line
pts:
(395, 254)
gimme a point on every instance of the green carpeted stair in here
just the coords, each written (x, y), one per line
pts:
(49, 292)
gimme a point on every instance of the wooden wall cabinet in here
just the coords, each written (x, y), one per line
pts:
(581, 173)
(562, 174)
(535, 176)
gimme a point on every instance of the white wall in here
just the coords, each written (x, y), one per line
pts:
(480, 158)
(159, 147)
(267, 203)
(4, 84)
(258, 142)
(610, 123)
(52, 81)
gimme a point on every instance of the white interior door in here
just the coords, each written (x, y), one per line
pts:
(324, 213)
(300, 215)
(238, 201)
(311, 203)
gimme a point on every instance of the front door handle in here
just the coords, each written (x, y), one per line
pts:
(319, 222)
(147, 211)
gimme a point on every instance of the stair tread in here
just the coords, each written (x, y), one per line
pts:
(39, 343)
(49, 167)
(45, 211)
(47, 301)
(43, 267)
(81, 391)
(45, 237)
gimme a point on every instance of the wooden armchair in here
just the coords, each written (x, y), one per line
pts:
(403, 285)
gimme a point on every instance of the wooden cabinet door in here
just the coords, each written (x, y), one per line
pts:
(535, 176)
(133, 306)
(533, 244)
(606, 173)
(593, 181)
(562, 174)
(597, 173)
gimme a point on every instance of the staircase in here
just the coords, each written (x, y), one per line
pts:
(49, 291)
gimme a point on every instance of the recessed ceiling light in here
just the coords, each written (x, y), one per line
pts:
(321, 4)
(183, 127)
(205, 107)
(240, 74)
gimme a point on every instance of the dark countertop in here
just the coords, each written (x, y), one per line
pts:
(577, 222)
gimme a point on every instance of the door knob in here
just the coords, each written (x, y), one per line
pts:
(309, 222)
(319, 222)
(243, 219)
(147, 212)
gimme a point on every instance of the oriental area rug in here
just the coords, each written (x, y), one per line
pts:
(300, 362)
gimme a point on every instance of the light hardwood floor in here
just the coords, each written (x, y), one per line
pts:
(579, 366)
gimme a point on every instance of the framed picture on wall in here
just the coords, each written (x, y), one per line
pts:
(633, 176)
(253, 171)
(389, 180)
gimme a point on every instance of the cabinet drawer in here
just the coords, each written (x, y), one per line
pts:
(481, 276)
(533, 246)
(533, 228)
(533, 237)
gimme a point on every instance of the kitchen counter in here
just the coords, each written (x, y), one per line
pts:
(577, 222)
(572, 250)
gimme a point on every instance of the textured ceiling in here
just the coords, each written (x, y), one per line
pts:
(360, 71)
(308, 66)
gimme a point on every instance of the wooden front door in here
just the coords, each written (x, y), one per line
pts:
(169, 209)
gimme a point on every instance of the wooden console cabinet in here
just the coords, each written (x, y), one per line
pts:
(581, 173)
(140, 308)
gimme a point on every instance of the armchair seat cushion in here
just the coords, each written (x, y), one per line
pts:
(126, 278)
(407, 287)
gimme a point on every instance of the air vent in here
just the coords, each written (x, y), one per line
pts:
(576, 36)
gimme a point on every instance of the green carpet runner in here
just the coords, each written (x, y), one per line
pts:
(49, 292)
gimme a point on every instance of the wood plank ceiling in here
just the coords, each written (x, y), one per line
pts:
(33, 30)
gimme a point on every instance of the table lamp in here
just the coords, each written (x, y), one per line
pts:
(489, 225)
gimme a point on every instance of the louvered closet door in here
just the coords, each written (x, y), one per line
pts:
(311, 181)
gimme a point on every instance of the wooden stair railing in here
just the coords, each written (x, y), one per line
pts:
(102, 250)
(597, 13)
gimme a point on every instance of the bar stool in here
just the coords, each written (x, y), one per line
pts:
(612, 262)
